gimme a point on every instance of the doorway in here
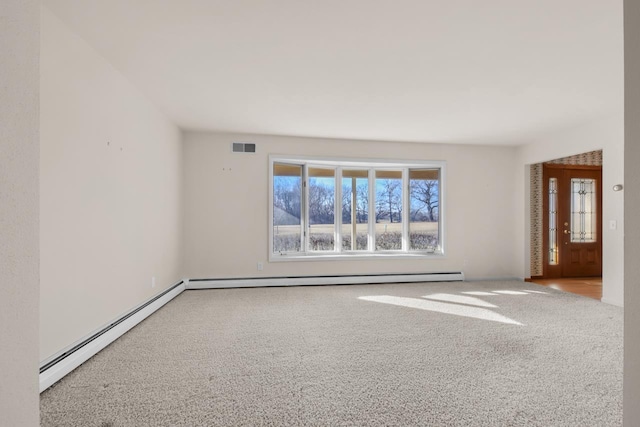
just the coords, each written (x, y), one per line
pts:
(572, 221)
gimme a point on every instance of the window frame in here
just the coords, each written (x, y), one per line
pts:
(371, 166)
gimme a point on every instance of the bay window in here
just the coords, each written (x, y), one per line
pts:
(350, 208)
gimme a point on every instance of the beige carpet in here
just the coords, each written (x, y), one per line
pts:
(434, 354)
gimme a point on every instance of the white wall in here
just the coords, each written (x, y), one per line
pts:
(632, 208)
(226, 207)
(110, 192)
(19, 42)
(608, 135)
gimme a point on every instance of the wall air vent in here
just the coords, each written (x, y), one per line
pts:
(243, 147)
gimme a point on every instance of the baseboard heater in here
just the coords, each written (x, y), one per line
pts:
(252, 282)
(59, 365)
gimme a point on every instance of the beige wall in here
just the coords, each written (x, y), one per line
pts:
(110, 192)
(19, 43)
(632, 208)
(607, 135)
(226, 207)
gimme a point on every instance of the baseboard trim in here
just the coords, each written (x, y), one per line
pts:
(253, 282)
(611, 302)
(56, 367)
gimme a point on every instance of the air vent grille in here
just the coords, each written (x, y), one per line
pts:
(243, 147)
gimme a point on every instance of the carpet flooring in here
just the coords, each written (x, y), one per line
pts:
(501, 353)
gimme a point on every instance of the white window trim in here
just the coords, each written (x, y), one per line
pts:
(371, 165)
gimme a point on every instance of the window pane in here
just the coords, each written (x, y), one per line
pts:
(583, 210)
(424, 214)
(355, 192)
(322, 190)
(287, 191)
(388, 210)
(287, 198)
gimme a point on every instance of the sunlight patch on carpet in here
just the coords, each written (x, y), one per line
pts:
(511, 292)
(460, 299)
(441, 307)
(479, 293)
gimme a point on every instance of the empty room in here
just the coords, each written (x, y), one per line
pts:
(319, 213)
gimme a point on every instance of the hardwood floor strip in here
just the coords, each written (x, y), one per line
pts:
(586, 286)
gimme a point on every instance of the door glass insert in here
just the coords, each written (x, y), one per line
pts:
(583, 210)
(553, 221)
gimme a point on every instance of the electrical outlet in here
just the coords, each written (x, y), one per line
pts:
(260, 266)
(153, 282)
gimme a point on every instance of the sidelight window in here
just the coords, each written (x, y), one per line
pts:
(553, 221)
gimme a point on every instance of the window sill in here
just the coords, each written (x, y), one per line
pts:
(354, 256)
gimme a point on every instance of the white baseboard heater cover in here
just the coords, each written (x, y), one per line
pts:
(323, 280)
(56, 367)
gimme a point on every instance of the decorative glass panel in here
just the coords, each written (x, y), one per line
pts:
(553, 221)
(583, 210)
(355, 210)
(322, 190)
(287, 191)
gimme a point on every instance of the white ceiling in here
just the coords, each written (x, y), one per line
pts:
(464, 71)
